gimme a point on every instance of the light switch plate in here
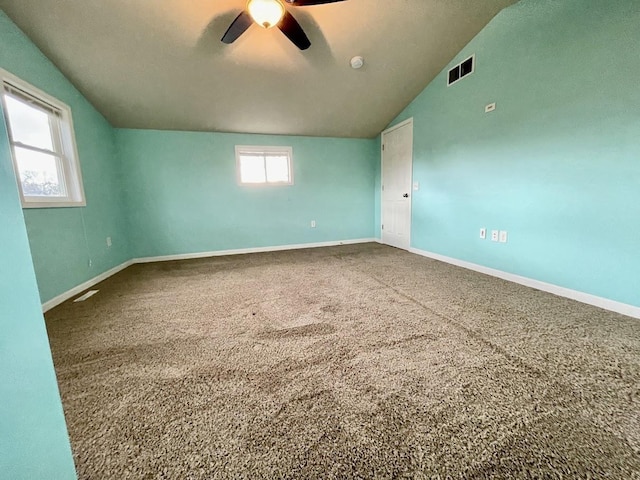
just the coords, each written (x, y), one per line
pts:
(483, 233)
(503, 236)
(490, 107)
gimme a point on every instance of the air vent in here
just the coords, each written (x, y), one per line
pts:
(89, 294)
(461, 70)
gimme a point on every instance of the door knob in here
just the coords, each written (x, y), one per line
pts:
(406, 195)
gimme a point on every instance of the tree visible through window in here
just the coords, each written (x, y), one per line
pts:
(264, 165)
(38, 164)
(43, 147)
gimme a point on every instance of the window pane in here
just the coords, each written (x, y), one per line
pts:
(39, 174)
(277, 168)
(29, 125)
(252, 169)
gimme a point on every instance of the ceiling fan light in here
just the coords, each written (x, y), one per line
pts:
(266, 13)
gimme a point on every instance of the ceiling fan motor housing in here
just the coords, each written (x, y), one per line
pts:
(270, 13)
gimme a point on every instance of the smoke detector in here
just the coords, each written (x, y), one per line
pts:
(357, 62)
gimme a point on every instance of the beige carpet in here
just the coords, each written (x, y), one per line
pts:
(347, 362)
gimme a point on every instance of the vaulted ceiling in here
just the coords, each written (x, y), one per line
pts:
(160, 64)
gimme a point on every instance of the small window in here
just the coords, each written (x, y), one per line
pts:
(43, 146)
(264, 165)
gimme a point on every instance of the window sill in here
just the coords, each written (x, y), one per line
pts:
(266, 184)
(53, 204)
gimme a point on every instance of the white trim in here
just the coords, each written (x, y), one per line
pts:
(408, 121)
(399, 125)
(54, 302)
(242, 251)
(604, 303)
(53, 204)
(87, 295)
(64, 138)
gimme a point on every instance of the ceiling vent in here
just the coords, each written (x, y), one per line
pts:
(461, 70)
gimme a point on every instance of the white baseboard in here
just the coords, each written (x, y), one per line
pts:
(54, 302)
(605, 303)
(242, 251)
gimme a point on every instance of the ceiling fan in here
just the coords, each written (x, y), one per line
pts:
(271, 13)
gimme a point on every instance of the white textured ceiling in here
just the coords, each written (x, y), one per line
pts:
(159, 64)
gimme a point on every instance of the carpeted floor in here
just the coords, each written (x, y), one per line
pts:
(357, 361)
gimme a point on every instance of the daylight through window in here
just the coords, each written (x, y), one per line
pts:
(42, 143)
(264, 165)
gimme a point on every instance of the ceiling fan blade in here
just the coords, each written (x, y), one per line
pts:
(237, 27)
(306, 3)
(294, 32)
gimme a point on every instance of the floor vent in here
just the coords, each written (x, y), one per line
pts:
(461, 70)
(89, 294)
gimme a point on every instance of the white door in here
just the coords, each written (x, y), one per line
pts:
(397, 162)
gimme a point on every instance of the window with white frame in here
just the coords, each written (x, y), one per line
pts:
(264, 165)
(43, 146)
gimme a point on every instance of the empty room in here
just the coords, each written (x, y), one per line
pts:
(319, 239)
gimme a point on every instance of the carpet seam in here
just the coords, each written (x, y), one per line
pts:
(500, 350)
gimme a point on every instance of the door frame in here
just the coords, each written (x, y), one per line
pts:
(408, 121)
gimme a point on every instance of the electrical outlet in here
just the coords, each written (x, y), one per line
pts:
(495, 235)
(90, 263)
(483, 233)
(313, 224)
(503, 236)
(109, 242)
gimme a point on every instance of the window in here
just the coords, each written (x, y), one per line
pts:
(264, 165)
(43, 146)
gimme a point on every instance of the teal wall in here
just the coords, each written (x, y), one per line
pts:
(183, 197)
(33, 435)
(63, 240)
(557, 164)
